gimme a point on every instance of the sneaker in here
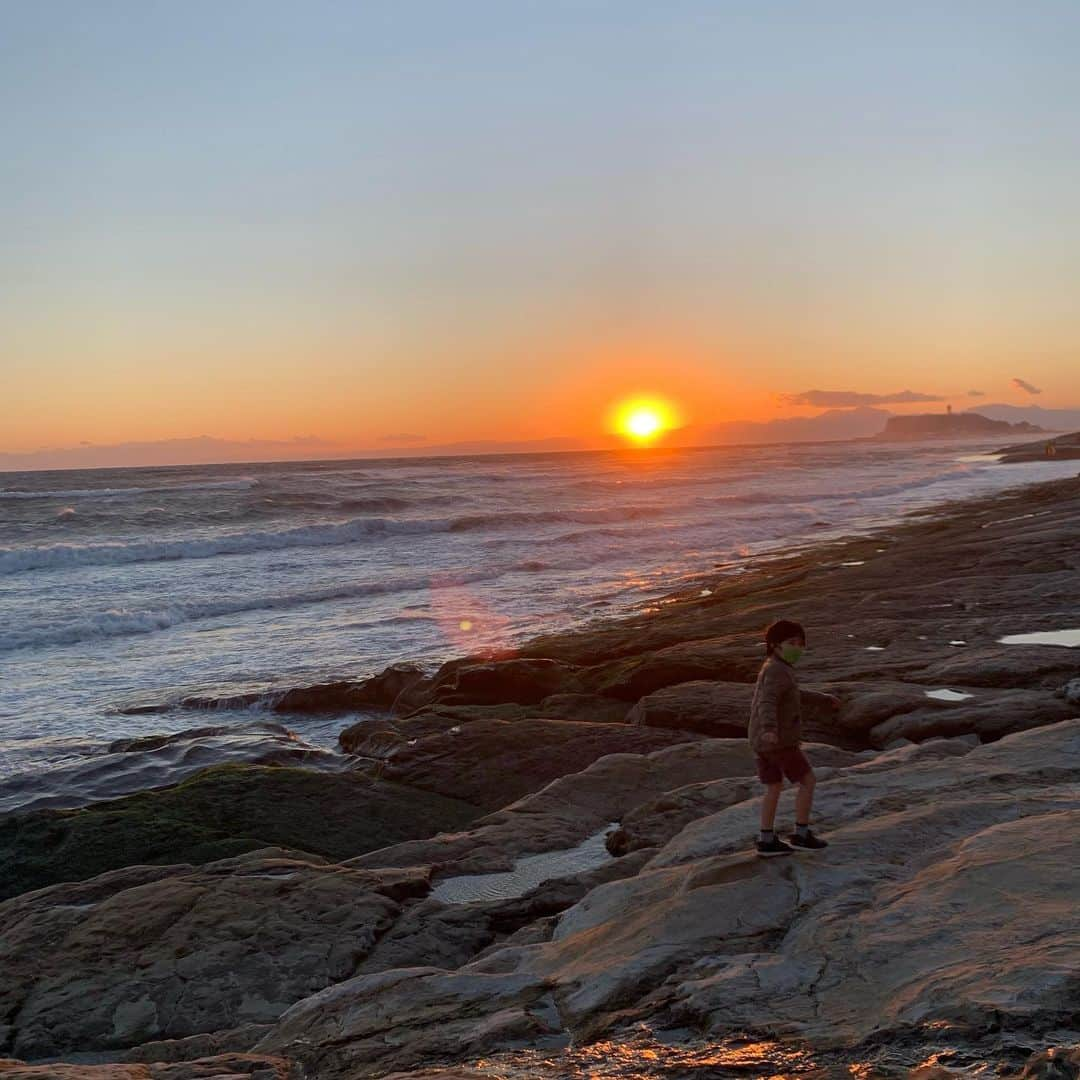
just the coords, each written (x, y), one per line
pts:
(809, 842)
(775, 846)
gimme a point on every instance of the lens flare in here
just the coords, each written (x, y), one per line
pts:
(468, 622)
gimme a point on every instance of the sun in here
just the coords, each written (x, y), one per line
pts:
(642, 419)
(643, 423)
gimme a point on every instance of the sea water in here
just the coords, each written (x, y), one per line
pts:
(529, 871)
(127, 589)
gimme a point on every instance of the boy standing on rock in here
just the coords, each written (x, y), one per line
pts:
(775, 732)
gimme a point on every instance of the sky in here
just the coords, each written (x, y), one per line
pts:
(408, 223)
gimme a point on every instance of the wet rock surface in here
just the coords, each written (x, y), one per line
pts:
(377, 736)
(158, 761)
(1063, 446)
(475, 681)
(493, 762)
(220, 1067)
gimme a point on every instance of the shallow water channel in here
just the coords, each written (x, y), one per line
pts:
(528, 872)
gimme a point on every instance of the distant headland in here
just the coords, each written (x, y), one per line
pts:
(950, 425)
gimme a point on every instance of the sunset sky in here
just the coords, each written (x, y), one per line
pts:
(389, 224)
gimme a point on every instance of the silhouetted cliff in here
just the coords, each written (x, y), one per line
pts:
(950, 426)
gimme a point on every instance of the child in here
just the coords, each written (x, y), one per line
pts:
(775, 731)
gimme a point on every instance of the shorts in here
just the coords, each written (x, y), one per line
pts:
(788, 761)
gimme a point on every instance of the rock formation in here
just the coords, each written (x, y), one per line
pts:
(154, 761)
(222, 811)
(950, 425)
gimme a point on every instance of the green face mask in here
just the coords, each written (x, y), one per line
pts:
(791, 653)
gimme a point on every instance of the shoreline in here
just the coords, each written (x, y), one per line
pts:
(758, 571)
(742, 596)
(494, 763)
(653, 620)
(276, 669)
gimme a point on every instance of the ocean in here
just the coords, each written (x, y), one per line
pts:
(131, 589)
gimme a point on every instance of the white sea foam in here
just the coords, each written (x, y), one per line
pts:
(871, 491)
(120, 622)
(14, 560)
(50, 556)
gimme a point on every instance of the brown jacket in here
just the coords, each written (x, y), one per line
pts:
(775, 706)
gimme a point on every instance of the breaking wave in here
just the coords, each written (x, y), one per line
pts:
(120, 622)
(50, 556)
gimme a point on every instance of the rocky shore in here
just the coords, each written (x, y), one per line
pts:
(1059, 447)
(538, 865)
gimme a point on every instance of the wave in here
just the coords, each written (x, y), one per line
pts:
(60, 556)
(375, 505)
(52, 556)
(335, 534)
(119, 622)
(676, 512)
(751, 498)
(602, 516)
(244, 484)
(330, 503)
(660, 483)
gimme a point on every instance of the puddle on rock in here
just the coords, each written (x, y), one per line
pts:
(948, 695)
(1069, 638)
(529, 871)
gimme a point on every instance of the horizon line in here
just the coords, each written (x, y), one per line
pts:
(636, 449)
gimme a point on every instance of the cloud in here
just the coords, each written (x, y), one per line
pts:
(976, 393)
(1020, 384)
(402, 437)
(841, 399)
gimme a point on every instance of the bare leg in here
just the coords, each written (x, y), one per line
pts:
(804, 800)
(768, 804)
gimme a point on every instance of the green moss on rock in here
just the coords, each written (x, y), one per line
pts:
(222, 811)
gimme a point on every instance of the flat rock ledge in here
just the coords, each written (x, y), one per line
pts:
(943, 913)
